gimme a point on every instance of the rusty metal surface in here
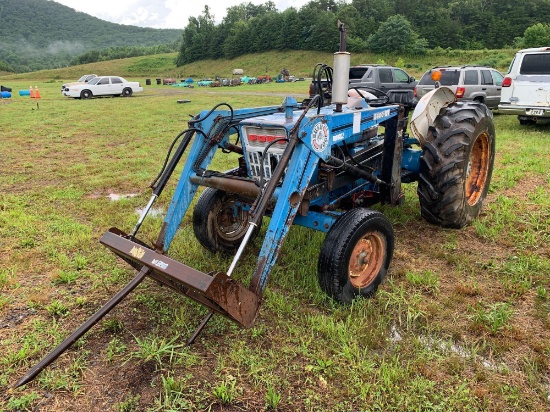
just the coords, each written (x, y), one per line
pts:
(159, 263)
(241, 187)
(217, 291)
(366, 260)
(238, 302)
(479, 161)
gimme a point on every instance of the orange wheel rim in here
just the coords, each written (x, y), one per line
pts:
(478, 169)
(366, 260)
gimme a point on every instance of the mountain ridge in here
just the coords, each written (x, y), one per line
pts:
(43, 34)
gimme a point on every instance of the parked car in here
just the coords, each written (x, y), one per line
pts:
(479, 83)
(392, 81)
(103, 86)
(526, 87)
(84, 79)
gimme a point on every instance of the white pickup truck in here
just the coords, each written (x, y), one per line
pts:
(526, 87)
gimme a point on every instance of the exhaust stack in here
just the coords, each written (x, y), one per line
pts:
(341, 71)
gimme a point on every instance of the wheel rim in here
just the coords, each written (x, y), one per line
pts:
(478, 168)
(231, 221)
(366, 259)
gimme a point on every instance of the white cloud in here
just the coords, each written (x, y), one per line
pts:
(172, 14)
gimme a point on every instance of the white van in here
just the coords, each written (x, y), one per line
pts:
(526, 87)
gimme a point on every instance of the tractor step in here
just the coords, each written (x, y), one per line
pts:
(214, 290)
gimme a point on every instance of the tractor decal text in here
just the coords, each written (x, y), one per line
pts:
(159, 263)
(319, 137)
(381, 115)
(137, 252)
(338, 137)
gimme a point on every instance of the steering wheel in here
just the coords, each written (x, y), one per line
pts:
(381, 97)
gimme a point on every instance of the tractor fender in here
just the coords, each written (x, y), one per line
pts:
(427, 109)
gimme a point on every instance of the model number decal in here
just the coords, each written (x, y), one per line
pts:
(159, 263)
(338, 137)
(382, 114)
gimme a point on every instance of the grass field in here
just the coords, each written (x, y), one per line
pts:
(300, 63)
(462, 323)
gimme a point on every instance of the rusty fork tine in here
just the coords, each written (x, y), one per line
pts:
(68, 342)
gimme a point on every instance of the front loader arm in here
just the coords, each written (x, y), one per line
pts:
(199, 158)
(298, 176)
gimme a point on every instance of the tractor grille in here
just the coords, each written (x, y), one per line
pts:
(256, 140)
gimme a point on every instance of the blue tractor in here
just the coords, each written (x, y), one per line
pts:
(313, 164)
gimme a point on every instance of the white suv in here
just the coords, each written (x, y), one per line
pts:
(526, 87)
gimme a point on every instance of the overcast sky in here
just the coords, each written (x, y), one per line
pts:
(166, 14)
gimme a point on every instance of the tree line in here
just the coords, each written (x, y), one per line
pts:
(402, 26)
(120, 52)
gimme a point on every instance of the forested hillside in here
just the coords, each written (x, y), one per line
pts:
(40, 34)
(402, 26)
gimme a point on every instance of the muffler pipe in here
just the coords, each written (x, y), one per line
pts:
(341, 71)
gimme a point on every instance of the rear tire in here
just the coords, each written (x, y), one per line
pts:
(456, 164)
(355, 255)
(220, 222)
(526, 122)
(127, 92)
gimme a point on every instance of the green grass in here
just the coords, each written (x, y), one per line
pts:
(300, 63)
(460, 324)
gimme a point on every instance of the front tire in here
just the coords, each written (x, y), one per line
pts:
(456, 164)
(127, 92)
(220, 221)
(355, 255)
(86, 94)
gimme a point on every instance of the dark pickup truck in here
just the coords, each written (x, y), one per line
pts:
(378, 80)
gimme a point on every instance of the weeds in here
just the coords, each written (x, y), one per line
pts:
(495, 318)
(156, 349)
(427, 281)
(272, 397)
(23, 402)
(174, 396)
(7, 276)
(68, 379)
(115, 348)
(57, 309)
(129, 404)
(225, 391)
(112, 325)
(65, 277)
